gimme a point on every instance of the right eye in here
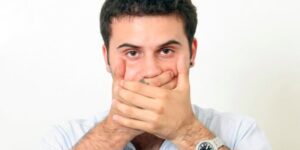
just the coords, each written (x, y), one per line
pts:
(132, 54)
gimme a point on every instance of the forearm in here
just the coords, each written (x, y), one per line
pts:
(102, 136)
(192, 135)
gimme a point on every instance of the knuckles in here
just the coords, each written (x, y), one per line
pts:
(160, 109)
(127, 110)
(152, 127)
(156, 119)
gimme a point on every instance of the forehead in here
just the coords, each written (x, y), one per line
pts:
(147, 30)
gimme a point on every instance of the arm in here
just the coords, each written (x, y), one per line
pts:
(162, 112)
(192, 134)
(109, 135)
(104, 135)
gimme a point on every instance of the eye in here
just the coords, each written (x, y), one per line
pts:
(166, 51)
(132, 53)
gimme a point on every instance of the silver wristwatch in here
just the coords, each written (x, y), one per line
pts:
(213, 144)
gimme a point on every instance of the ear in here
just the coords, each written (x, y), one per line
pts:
(106, 55)
(194, 51)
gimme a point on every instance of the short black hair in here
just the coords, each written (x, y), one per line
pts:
(118, 8)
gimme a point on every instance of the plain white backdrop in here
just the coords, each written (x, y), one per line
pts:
(52, 69)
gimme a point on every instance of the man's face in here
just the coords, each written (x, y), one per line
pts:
(149, 45)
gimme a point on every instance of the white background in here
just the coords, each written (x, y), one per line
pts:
(52, 70)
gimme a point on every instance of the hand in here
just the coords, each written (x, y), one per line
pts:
(108, 134)
(165, 80)
(162, 112)
(109, 123)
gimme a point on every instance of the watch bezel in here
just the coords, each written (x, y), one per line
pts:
(205, 145)
(215, 143)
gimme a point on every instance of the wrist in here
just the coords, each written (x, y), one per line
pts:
(114, 132)
(103, 136)
(213, 144)
(190, 135)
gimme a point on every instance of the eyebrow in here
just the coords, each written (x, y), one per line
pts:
(138, 47)
(170, 42)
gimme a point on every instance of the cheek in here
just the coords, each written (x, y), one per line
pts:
(133, 72)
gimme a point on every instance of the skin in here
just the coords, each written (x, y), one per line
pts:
(153, 48)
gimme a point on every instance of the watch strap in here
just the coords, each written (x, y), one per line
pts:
(217, 142)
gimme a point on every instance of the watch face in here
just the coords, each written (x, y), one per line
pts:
(206, 146)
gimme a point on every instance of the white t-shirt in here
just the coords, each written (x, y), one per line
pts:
(237, 132)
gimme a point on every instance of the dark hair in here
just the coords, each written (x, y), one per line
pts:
(119, 8)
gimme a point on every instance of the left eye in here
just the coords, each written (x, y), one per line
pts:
(166, 51)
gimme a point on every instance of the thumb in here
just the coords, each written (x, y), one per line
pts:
(183, 74)
(118, 74)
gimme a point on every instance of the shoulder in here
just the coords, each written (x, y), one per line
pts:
(235, 130)
(213, 118)
(65, 135)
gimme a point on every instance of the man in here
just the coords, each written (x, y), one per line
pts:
(149, 46)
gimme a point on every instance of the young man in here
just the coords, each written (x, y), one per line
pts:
(149, 48)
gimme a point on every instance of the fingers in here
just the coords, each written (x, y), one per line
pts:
(133, 112)
(131, 123)
(170, 85)
(137, 100)
(161, 79)
(183, 74)
(144, 89)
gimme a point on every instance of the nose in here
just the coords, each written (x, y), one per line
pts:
(151, 68)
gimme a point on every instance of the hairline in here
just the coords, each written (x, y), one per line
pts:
(175, 14)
